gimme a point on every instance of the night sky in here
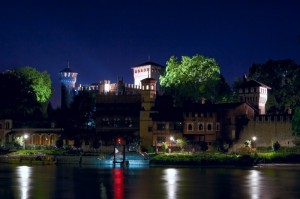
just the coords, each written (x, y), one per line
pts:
(103, 39)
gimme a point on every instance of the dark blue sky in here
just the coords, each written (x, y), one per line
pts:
(103, 39)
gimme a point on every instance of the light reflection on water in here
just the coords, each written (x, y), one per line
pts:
(24, 180)
(254, 179)
(47, 182)
(171, 178)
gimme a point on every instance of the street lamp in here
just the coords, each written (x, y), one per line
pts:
(25, 138)
(254, 139)
(171, 140)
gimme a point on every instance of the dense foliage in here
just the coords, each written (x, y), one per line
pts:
(283, 76)
(81, 114)
(26, 93)
(296, 122)
(194, 78)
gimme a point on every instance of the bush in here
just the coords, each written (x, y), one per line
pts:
(164, 147)
(150, 149)
(203, 146)
(59, 143)
(276, 146)
(245, 151)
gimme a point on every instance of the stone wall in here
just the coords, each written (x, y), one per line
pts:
(268, 129)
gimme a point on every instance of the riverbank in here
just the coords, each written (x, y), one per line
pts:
(167, 159)
(210, 159)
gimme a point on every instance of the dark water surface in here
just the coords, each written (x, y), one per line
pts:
(45, 182)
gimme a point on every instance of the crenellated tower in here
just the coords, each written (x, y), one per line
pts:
(148, 94)
(255, 94)
(147, 70)
(68, 79)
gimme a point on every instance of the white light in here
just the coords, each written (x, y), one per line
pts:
(171, 178)
(25, 136)
(253, 138)
(254, 182)
(172, 138)
(24, 173)
(106, 87)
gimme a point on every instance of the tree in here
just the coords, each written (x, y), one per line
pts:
(164, 147)
(283, 76)
(81, 115)
(191, 78)
(27, 92)
(276, 146)
(218, 91)
(203, 146)
(40, 83)
(296, 122)
(182, 143)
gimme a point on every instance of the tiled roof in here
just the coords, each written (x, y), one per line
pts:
(253, 83)
(149, 63)
(68, 70)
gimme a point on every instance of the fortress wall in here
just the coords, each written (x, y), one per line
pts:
(268, 129)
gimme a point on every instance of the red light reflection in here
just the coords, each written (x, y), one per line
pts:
(118, 179)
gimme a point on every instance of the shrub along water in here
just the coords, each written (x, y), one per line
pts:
(203, 159)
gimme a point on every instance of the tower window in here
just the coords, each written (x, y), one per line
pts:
(209, 127)
(190, 127)
(218, 126)
(201, 127)
(7, 126)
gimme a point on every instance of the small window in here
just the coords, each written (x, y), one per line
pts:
(161, 126)
(190, 127)
(7, 126)
(218, 126)
(209, 127)
(201, 127)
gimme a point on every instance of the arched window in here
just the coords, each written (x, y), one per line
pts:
(201, 127)
(190, 127)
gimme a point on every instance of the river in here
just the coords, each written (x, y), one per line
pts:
(91, 182)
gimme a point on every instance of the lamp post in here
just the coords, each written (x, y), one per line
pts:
(171, 140)
(25, 138)
(254, 144)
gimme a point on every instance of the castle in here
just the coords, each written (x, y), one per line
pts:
(140, 110)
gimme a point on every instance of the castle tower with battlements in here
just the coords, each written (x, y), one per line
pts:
(255, 94)
(68, 79)
(147, 70)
